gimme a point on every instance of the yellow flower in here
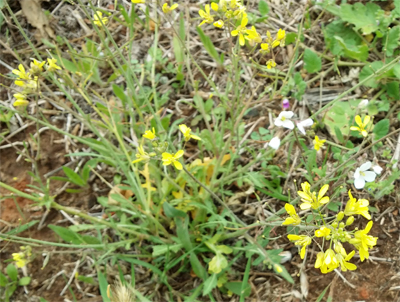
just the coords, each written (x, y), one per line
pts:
(361, 125)
(359, 207)
(253, 36)
(167, 9)
(52, 66)
(21, 100)
(302, 240)
(142, 155)
(323, 232)
(21, 73)
(265, 47)
(28, 85)
(20, 259)
(280, 35)
(99, 16)
(270, 64)
(186, 131)
(206, 15)
(275, 43)
(327, 261)
(214, 6)
(363, 242)
(294, 218)
(219, 23)
(241, 30)
(310, 199)
(168, 159)
(150, 134)
(138, 1)
(342, 257)
(318, 143)
(278, 268)
(37, 67)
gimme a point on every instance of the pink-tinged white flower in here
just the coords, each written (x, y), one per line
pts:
(274, 143)
(303, 124)
(362, 175)
(283, 120)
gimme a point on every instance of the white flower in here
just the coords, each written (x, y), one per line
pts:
(283, 120)
(363, 104)
(377, 169)
(273, 143)
(306, 123)
(362, 175)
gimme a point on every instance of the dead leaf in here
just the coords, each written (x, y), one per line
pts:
(33, 12)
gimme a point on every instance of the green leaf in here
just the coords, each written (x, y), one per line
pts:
(22, 228)
(3, 280)
(357, 52)
(396, 10)
(209, 46)
(321, 296)
(236, 288)
(43, 300)
(159, 250)
(171, 212)
(263, 8)
(339, 135)
(68, 65)
(88, 280)
(393, 90)
(197, 267)
(183, 232)
(210, 284)
(66, 234)
(369, 70)
(119, 92)
(224, 249)
(393, 40)
(312, 62)
(363, 17)
(217, 263)
(12, 272)
(74, 177)
(24, 281)
(103, 284)
(381, 128)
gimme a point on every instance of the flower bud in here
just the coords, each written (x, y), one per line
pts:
(341, 225)
(340, 216)
(350, 220)
(334, 224)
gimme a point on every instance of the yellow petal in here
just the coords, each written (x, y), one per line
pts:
(367, 118)
(178, 165)
(358, 120)
(323, 191)
(179, 154)
(174, 6)
(214, 6)
(290, 209)
(21, 103)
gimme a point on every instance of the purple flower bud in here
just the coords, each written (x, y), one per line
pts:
(285, 104)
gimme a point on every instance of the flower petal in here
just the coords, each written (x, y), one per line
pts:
(358, 120)
(323, 191)
(286, 114)
(369, 176)
(365, 166)
(288, 124)
(301, 128)
(179, 154)
(359, 183)
(367, 118)
(290, 209)
(275, 143)
(178, 165)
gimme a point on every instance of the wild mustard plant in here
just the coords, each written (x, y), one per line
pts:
(334, 233)
(29, 79)
(318, 143)
(22, 258)
(362, 125)
(99, 20)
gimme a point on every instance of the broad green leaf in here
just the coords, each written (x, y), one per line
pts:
(263, 8)
(12, 272)
(183, 232)
(369, 70)
(236, 288)
(396, 10)
(312, 62)
(224, 249)
(393, 40)
(338, 116)
(171, 212)
(119, 92)
(74, 177)
(197, 267)
(159, 250)
(339, 134)
(217, 263)
(393, 90)
(357, 52)
(300, 86)
(3, 280)
(24, 281)
(362, 16)
(381, 128)
(70, 66)
(209, 46)
(210, 284)
(66, 234)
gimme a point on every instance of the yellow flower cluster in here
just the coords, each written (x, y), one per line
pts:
(29, 80)
(22, 258)
(160, 148)
(99, 20)
(362, 125)
(232, 11)
(333, 232)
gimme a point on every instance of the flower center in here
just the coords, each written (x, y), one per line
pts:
(283, 118)
(362, 173)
